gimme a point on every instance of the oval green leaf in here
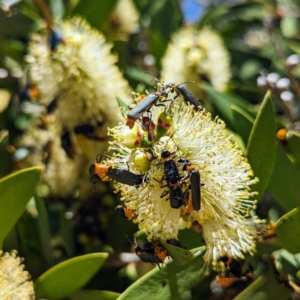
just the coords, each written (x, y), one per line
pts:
(243, 122)
(94, 295)
(179, 255)
(95, 12)
(267, 246)
(138, 74)
(293, 144)
(288, 231)
(4, 137)
(6, 160)
(68, 276)
(284, 182)
(262, 144)
(213, 12)
(288, 264)
(57, 8)
(222, 103)
(289, 26)
(16, 190)
(44, 231)
(157, 282)
(122, 105)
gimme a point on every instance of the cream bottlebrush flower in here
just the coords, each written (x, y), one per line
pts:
(257, 38)
(193, 53)
(14, 281)
(81, 73)
(125, 17)
(61, 172)
(225, 175)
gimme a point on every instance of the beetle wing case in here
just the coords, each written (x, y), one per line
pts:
(149, 258)
(176, 196)
(143, 106)
(125, 176)
(188, 96)
(196, 189)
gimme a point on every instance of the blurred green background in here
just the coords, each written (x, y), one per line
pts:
(263, 43)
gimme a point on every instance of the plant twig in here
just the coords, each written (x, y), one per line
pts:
(46, 13)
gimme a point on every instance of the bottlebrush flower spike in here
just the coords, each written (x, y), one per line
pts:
(226, 177)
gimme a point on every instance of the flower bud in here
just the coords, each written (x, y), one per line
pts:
(164, 122)
(132, 137)
(293, 60)
(146, 141)
(287, 96)
(141, 159)
(272, 78)
(262, 81)
(283, 83)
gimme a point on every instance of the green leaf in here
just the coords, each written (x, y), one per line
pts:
(4, 137)
(294, 46)
(262, 144)
(156, 281)
(122, 105)
(267, 246)
(30, 10)
(11, 241)
(190, 238)
(57, 8)
(94, 295)
(16, 190)
(68, 276)
(248, 11)
(138, 75)
(94, 11)
(44, 231)
(249, 69)
(6, 160)
(289, 26)
(4, 101)
(179, 255)
(158, 45)
(243, 122)
(287, 264)
(288, 231)
(284, 182)
(223, 101)
(156, 12)
(66, 232)
(29, 242)
(293, 143)
(213, 12)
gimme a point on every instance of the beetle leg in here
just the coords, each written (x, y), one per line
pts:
(164, 193)
(93, 178)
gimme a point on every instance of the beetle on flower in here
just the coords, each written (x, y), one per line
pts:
(226, 178)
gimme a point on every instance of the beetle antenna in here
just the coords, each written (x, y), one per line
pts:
(171, 137)
(192, 81)
(129, 240)
(99, 158)
(95, 186)
(154, 78)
